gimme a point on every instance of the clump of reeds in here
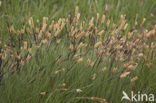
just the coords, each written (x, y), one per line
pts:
(102, 38)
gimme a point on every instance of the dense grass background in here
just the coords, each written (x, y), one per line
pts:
(15, 87)
(18, 11)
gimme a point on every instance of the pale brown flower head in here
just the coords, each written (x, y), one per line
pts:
(94, 76)
(48, 35)
(103, 19)
(91, 22)
(79, 60)
(125, 74)
(28, 57)
(80, 46)
(78, 90)
(98, 44)
(101, 32)
(25, 45)
(31, 22)
(134, 79)
(75, 56)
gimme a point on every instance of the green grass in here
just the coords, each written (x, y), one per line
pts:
(18, 11)
(38, 74)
